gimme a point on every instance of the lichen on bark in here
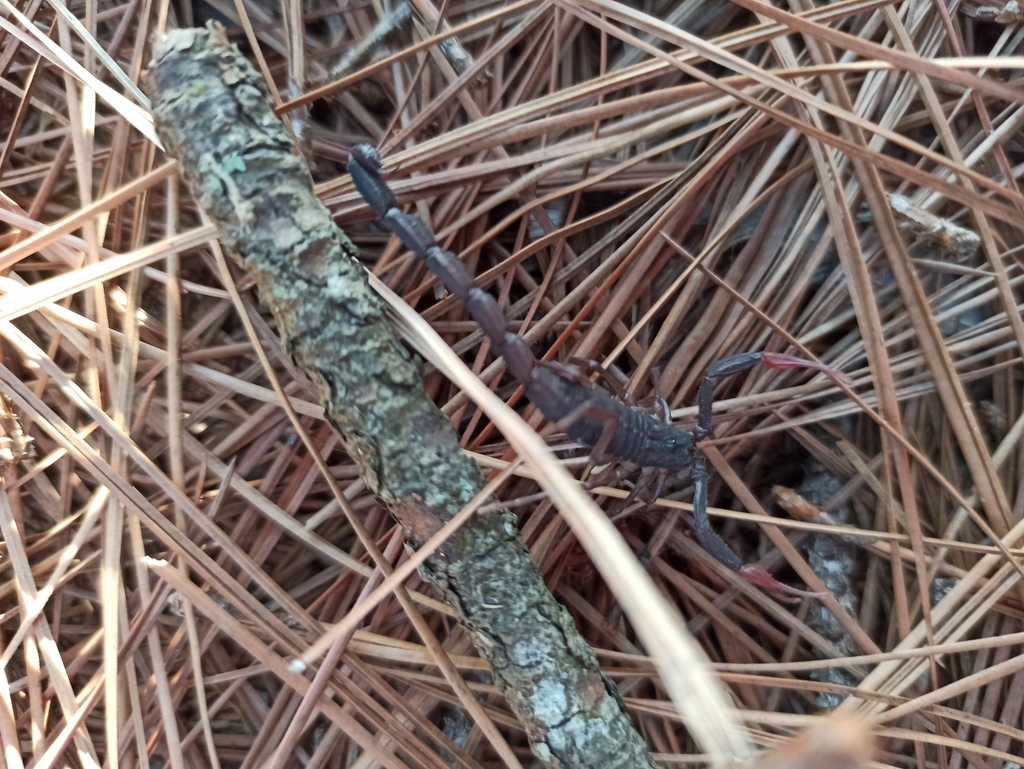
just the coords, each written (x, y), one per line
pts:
(215, 118)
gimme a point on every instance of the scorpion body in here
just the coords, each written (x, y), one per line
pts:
(638, 437)
(588, 413)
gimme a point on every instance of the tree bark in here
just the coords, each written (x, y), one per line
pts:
(214, 116)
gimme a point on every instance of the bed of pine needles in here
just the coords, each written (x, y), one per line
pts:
(651, 188)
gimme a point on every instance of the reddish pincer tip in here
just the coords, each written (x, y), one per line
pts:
(759, 576)
(782, 362)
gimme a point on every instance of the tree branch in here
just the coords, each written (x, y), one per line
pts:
(215, 117)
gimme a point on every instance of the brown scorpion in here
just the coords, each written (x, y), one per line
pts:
(588, 413)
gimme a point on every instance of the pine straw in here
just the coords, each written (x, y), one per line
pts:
(586, 153)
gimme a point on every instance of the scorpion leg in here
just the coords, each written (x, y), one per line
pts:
(609, 476)
(580, 369)
(615, 380)
(606, 416)
(706, 535)
(659, 408)
(663, 412)
(598, 453)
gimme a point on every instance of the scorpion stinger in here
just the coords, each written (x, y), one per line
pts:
(588, 413)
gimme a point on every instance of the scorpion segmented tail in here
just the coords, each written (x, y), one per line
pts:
(365, 166)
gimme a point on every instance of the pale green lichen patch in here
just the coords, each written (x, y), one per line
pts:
(550, 702)
(234, 163)
(530, 652)
(578, 730)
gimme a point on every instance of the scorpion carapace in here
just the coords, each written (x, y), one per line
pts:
(588, 413)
